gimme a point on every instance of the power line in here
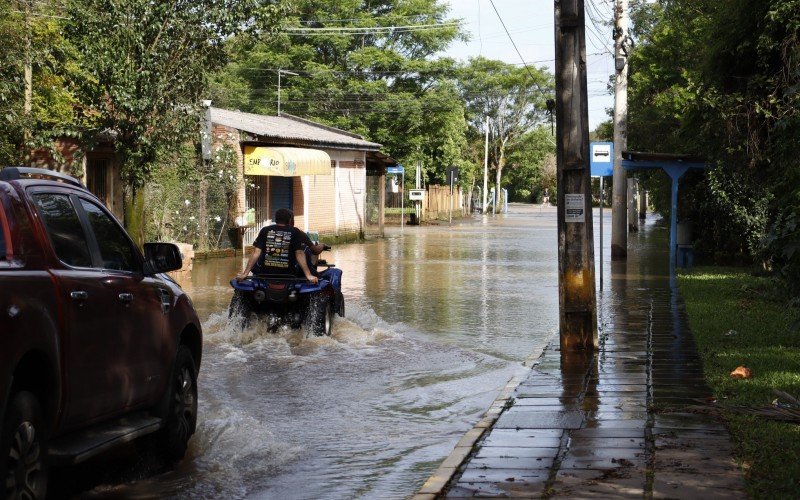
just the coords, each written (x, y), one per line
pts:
(454, 71)
(370, 30)
(357, 19)
(512, 40)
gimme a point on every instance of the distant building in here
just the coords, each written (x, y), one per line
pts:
(322, 173)
(319, 172)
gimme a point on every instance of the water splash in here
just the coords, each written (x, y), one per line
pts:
(361, 327)
(226, 446)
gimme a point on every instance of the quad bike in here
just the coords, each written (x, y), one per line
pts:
(288, 300)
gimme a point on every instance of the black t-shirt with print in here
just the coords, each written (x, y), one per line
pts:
(278, 245)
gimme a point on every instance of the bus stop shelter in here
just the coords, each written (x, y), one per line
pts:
(675, 165)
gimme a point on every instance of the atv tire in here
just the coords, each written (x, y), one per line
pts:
(319, 316)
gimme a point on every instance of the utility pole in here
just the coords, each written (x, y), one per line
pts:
(577, 307)
(619, 205)
(485, 167)
(279, 86)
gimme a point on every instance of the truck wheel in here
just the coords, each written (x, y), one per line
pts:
(181, 417)
(240, 309)
(23, 470)
(319, 316)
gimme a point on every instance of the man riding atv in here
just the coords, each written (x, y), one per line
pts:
(279, 249)
(287, 286)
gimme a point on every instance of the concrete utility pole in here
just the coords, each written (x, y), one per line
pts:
(486, 167)
(577, 307)
(642, 205)
(285, 72)
(633, 205)
(619, 205)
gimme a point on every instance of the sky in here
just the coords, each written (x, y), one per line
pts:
(530, 23)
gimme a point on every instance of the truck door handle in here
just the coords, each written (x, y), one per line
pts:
(79, 295)
(165, 300)
(126, 297)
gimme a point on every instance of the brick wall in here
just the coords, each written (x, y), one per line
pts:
(59, 157)
(221, 136)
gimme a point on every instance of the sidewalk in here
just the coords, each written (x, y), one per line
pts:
(618, 424)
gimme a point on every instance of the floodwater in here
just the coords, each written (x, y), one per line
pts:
(438, 320)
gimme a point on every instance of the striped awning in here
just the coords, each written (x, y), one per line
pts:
(285, 162)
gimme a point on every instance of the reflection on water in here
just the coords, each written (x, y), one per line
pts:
(438, 319)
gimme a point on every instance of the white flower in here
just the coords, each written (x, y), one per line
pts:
(186, 202)
(191, 218)
(218, 218)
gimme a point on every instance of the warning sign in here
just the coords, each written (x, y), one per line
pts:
(573, 208)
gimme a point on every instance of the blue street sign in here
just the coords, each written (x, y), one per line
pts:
(395, 170)
(601, 159)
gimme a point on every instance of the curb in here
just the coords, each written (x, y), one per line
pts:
(437, 482)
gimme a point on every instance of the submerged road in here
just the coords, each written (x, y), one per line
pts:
(438, 320)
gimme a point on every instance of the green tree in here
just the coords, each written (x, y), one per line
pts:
(146, 66)
(513, 98)
(721, 80)
(31, 32)
(526, 161)
(365, 67)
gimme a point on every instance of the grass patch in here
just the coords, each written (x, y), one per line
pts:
(399, 210)
(737, 320)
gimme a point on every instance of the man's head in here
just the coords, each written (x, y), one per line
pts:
(283, 216)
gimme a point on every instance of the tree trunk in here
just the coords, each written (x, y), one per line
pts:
(500, 164)
(134, 214)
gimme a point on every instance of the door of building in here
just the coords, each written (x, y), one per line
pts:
(280, 193)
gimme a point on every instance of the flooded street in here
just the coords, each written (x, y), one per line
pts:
(438, 319)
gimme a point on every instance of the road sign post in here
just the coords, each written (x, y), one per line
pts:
(452, 178)
(601, 164)
(398, 169)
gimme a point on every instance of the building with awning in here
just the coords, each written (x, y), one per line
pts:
(319, 172)
(285, 162)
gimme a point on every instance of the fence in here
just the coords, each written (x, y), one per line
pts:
(440, 204)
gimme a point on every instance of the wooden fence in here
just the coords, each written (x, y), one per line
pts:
(438, 203)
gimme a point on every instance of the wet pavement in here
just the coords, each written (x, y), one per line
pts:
(438, 319)
(625, 422)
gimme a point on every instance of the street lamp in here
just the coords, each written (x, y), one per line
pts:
(279, 86)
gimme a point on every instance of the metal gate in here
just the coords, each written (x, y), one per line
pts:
(257, 189)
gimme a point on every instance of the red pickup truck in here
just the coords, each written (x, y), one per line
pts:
(97, 346)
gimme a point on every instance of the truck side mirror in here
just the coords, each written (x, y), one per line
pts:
(161, 258)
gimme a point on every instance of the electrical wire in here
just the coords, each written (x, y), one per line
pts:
(370, 30)
(512, 40)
